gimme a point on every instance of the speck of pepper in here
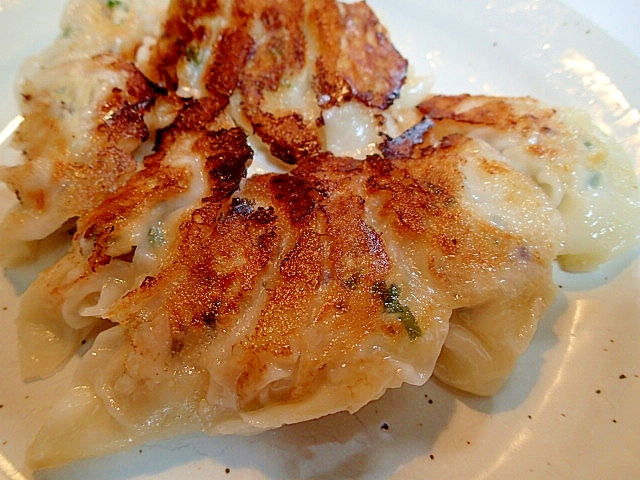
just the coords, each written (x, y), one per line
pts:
(622, 376)
(431, 456)
(227, 470)
(614, 421)
(384, 426)
(529, 417)
(598, 391)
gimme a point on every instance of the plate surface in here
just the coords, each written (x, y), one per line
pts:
(570, 410)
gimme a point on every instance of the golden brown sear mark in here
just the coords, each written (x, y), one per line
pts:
(337, 52)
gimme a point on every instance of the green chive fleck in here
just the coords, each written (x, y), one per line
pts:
(193, 55)
(390, 297)
(156, 237)
(594, 179)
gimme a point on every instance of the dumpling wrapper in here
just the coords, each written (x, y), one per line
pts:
(309, 293)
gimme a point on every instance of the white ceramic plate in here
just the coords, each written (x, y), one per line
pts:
(572, 408)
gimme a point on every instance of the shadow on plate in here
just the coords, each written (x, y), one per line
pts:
(371, 444)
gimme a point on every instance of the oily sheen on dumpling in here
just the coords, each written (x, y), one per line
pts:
(309, 282)
(400, 238)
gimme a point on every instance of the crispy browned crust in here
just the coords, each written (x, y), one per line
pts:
(123, 112)
(503, 114)
(524, 117)
(279, 54)
(181, 27)
(354, 60)
(280, 50)
(277, 243)
(223, 73)
(145, 189)
(300, 251)
(272, 289)
(76, 186)
(422, 206)
(225, 155)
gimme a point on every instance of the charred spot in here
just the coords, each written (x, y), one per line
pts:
(264, 216)
(197, 114)
(265, 240)
(290, 137)
(241, 206)
(404, 145)
(177, 344)
(295, 196)
(227, 155)
(225, 180)
(148, 282)
(209, 317)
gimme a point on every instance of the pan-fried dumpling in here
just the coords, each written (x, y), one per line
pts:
(83, 121)
(122, 241)
(587, 178)
(401, 242)
(586, 174)
(83, 101)
(278, 301)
